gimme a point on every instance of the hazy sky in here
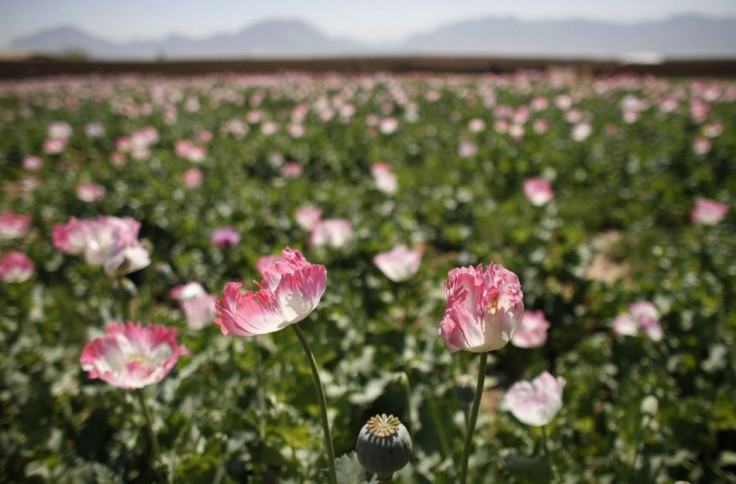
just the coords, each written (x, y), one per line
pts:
(366, 20)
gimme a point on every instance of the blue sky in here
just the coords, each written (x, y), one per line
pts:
(366, 20)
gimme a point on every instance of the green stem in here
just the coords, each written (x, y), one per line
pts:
(466, 415)
(544, 442)
(473, 416)
(322, 403)
(124, 300)
(407, 390)
(637, 449)
(155, 449)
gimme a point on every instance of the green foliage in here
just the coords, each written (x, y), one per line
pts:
(244, 410)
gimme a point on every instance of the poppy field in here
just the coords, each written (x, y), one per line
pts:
(420, 278)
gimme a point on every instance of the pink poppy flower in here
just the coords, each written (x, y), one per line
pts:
(205, 136)
(199, 310)
(59, 130)
(110, 242)
(521, 115)
(276, 159)
(290, 291)
(89, 192)
(563, 102)
(668, 105)
(538, 191)
(235, 127)
(517, 132)
(388, 125)
(54, 146)
(94, 130)
(484, 309)
(254, 117)
(701, 146)
(123, 143)
(299, 113)
(225, 237)
(132, 356)
(540, 126)
(536, 402)
(269, 127)
(192, 178)
(71, 237)
(399, 264)
(708, 212)
(539, 103)
(14, 225)
(189, 290)
(296, 130)
(643, 316)
(533, 330)
(32, 163)
(713, 130)
(476, 125)
(334, 233)
(196, 154)
(117, 158)
(466, 149)
(385, 179)
(30, 183)
(144, 137)
(581, 131)
(699, 110)
(292, 170)
(307, 216)
(190, 151)
(630, 116)
(15, 267)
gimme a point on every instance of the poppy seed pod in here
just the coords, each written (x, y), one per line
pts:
(465, 389)
(384, 446)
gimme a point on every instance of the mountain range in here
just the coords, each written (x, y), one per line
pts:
(685, 36)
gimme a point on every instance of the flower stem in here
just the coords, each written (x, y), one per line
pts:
(155, 449)
(638, 448)
(322, 403)
(124, 300)
(473, 416)
(466, 415)
(407, 390)
(544, 442)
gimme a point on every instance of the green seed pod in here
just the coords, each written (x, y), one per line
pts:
(384, 446)
(465, 389)
(125, 288)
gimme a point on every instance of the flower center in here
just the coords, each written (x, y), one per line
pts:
(383, 425)
(493, 303)
(140, 359)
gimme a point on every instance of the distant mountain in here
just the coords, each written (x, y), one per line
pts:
(681, 36)
(63, 40)
(291, 38)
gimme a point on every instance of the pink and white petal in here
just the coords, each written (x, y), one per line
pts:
(625, 325)
(251, 314)
(462, 331)
(653, 329)
(299, 293)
